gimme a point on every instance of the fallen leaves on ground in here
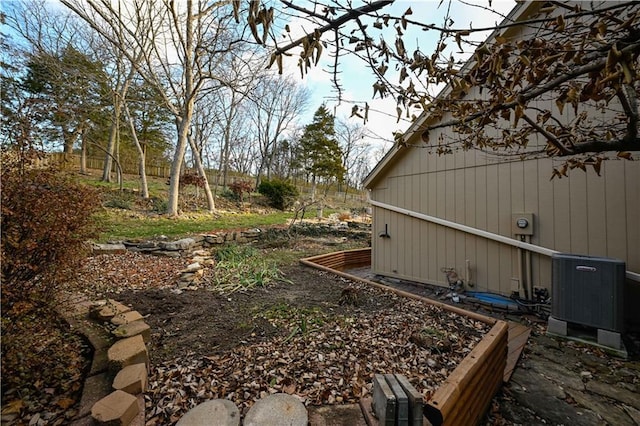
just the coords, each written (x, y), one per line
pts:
(324, 359)
(43, 367)
(109, 273)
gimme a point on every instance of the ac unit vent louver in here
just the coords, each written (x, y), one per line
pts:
(588, 290)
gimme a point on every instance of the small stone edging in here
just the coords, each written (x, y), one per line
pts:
(113, 391)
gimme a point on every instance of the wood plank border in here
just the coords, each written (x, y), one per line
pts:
(465, 395)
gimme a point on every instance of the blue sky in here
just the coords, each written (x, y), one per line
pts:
(357, 80)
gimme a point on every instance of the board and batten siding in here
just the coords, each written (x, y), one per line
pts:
(582, 214)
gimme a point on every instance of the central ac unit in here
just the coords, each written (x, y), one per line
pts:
(588, 290)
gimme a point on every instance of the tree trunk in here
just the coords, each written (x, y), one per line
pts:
(224, 164)
(144, 189)
(313, 189)
(83, 158)
(183, 120)
(111, 145)
(200, 168)
(69, 139)
(176, 165)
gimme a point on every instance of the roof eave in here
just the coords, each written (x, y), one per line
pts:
(522, 10)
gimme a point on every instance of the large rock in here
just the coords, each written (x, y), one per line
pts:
(129, 351)
(117, 408)
(95, 388)
(610, 413)
(183, 244)
(214, 239)
(107, 309)
(279, 409)
(614, 392)
(531, 390)
(330, 415)
(217, 412)
(194, 267)
(126, 317)
(109, 248)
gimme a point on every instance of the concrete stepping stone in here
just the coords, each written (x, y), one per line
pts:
(279, 409)
(132, 379)
(117, 408)
(129, 351)
(217, 412)
(126, 317)
(133, 329)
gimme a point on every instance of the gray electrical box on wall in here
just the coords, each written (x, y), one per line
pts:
(522, 224)
(588, 290)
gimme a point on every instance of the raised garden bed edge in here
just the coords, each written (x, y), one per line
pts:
(465, 395)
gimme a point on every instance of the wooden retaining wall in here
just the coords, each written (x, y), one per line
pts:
(465, 395)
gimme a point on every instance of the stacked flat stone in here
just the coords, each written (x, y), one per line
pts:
(128, 360)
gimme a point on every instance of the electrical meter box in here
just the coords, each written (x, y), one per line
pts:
(522, 224)
(588, 290)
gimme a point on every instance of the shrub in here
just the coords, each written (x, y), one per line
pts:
(281, 194)
(46, 222)
(239, 188)
(240, 267)
(120, 200)
(159, 205)
(192, 178)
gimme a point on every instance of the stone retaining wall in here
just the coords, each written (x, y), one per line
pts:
(163, 247)
(176, 248)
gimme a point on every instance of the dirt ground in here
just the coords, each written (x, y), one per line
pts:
(202, 322)
(311, 333)
(282, 338)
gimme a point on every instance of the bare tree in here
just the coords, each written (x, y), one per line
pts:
(351, 137)
(541, 75)
(144, 188)
(243, 152)
(182, 44)
(242, 73)
(278, 102)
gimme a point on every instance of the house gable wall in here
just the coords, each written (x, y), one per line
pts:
(581, 214)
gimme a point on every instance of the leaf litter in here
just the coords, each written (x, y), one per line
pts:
(322, 357)
(299, 335)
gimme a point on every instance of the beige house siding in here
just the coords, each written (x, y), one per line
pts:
(582, 214)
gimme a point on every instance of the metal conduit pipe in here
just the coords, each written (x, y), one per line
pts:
(634, 276)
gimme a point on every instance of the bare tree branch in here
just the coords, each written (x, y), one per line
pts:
(338, 22)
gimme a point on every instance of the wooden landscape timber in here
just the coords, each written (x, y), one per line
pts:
(465, 395)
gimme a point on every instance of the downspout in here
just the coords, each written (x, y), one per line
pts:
(521, 273)
(529, 269)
